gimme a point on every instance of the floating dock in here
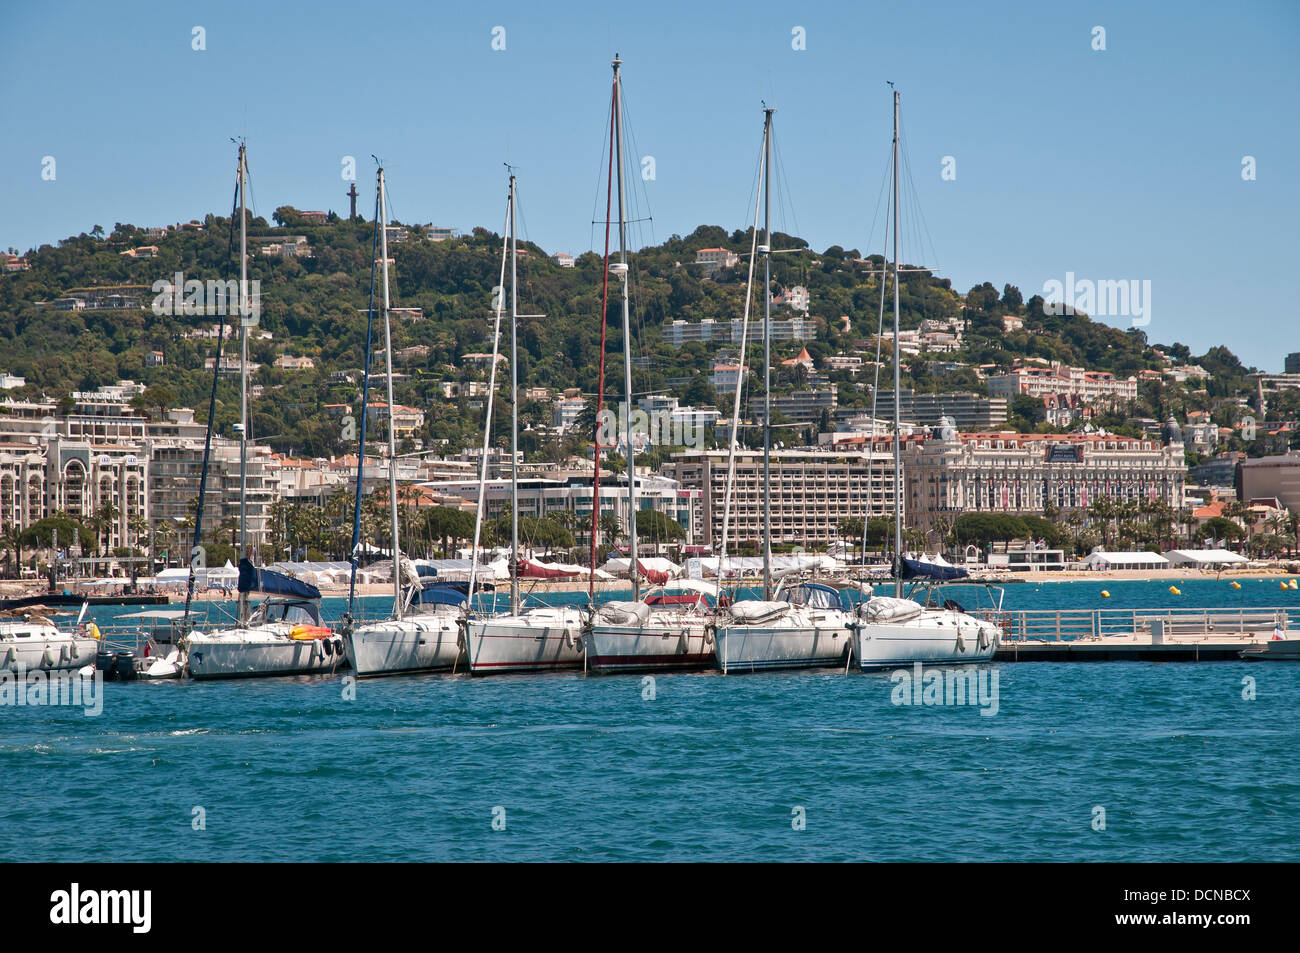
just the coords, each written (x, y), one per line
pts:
(1139, 635)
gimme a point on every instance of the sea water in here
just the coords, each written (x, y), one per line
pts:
(1125, 761)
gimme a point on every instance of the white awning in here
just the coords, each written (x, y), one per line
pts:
(1125, 560)
(1204, 557)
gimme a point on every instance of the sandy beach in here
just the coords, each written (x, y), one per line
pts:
(13, 588)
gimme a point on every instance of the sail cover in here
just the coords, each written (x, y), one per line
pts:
(272, 583)
(442, 595)
(927, 568)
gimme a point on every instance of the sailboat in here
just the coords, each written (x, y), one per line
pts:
(893, 630)
(422, 633)
(284, 634)
(660, 633)
(539, 638)
(30, 641)
(802, 624)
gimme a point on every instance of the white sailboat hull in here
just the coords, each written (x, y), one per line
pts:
(932, 638)
(537, 641)
(667, 642)
(800, 641)
(44, 648)
(253, 653)
(426, 643)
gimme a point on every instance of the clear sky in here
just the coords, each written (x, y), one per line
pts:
(1122, 163)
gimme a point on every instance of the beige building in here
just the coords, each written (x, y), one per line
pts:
(812, 490)
(1019, 473)
(1277, 477)
(1089, 386)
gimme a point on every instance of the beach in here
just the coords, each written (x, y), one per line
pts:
(1283, 569)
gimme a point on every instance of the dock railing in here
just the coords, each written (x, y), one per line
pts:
(1056, 625)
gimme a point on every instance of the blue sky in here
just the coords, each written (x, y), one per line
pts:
(1117, 164)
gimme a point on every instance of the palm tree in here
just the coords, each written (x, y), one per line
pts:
(408, 500)
(611, 528)
(1102, 511)
(162, 537)
(1239, 512)
(1075, 522)
(231, 525)
(11, 539)
(943, 526)
(138, 526)
(105, 517)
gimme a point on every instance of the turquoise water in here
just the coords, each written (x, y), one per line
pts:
(710, 768)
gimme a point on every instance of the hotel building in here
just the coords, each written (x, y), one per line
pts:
(812, 490)
(1020, 473)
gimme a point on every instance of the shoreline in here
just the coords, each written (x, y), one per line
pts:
(12, 588)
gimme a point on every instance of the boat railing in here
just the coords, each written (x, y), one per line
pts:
(1201, 624)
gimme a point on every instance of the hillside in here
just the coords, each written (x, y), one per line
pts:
(314, 307)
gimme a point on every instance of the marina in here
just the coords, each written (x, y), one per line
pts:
(1091, 629)
(649, 434)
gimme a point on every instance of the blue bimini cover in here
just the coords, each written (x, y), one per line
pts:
(271, 583)
(925, 569)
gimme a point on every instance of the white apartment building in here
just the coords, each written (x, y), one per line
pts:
(1090, 386)
(566, 413)
(551, 491)
(679, 332)
(725, 378)
(812, 490)
(796, 298)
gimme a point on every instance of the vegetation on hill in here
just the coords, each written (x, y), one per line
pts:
(316, 307)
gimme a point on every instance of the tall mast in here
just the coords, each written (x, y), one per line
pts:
(514, 406)
(898, 436)
(766, 250)
(627, 331)
(741, 371)
(600, 381)
(392, 413)
(498, 305)
(365, 413)
(207, 434)
(243, 375)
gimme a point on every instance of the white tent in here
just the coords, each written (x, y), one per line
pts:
(620, 567)
(753, 565)
(1205, 558)
(1103, 560)
(212, 576)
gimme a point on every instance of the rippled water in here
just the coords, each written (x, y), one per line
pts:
(711, 768)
